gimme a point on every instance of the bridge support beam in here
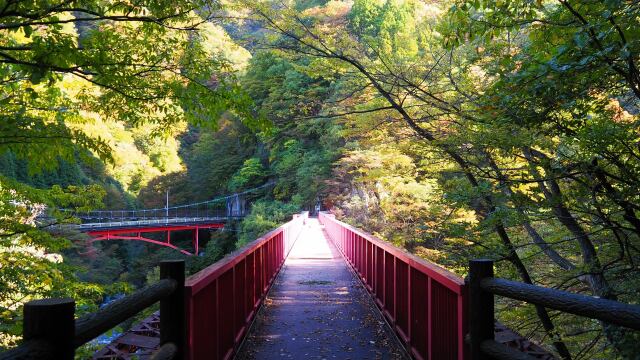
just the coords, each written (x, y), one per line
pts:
(196, 242)
(136, 234)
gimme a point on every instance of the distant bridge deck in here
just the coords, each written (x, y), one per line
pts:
(317, 309)
(135, 223)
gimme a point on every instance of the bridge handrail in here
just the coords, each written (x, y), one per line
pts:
(51, 332)
(449, 279)
(229, 292)
(401, 284)
(483, 286)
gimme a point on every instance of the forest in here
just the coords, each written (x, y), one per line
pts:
(456, 129)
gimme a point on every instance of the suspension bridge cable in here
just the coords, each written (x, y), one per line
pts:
(195, 205)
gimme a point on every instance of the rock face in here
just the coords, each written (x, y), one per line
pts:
(236, 205)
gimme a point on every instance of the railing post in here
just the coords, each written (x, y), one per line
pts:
(51, 320)
(172, 308)
(481, 307)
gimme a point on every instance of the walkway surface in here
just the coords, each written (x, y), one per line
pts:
(318, 309)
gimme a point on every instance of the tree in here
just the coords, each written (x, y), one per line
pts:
(32, 265)
(144, 63)
(67, 65)
(508, 130)
(300, 147)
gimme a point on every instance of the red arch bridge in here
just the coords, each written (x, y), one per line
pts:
(136, 225)
(138, 233)
(311, 289)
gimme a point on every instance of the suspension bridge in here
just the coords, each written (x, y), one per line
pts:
(136, 225)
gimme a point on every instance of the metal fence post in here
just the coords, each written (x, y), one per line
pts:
(481, 307)
(172, 308)
(52, 320)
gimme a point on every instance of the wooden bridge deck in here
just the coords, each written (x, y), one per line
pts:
(318, 309)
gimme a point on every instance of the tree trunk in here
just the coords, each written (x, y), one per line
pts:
(547, 249)
(596, 279)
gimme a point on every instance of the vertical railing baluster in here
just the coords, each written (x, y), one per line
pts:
(172, 308)
(481, 307)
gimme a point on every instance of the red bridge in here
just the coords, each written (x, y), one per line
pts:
(135, 225)
(319, 282)
(138, 232)
(312, 288)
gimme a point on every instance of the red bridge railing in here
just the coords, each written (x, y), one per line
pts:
(424, 303)
(222, 299)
